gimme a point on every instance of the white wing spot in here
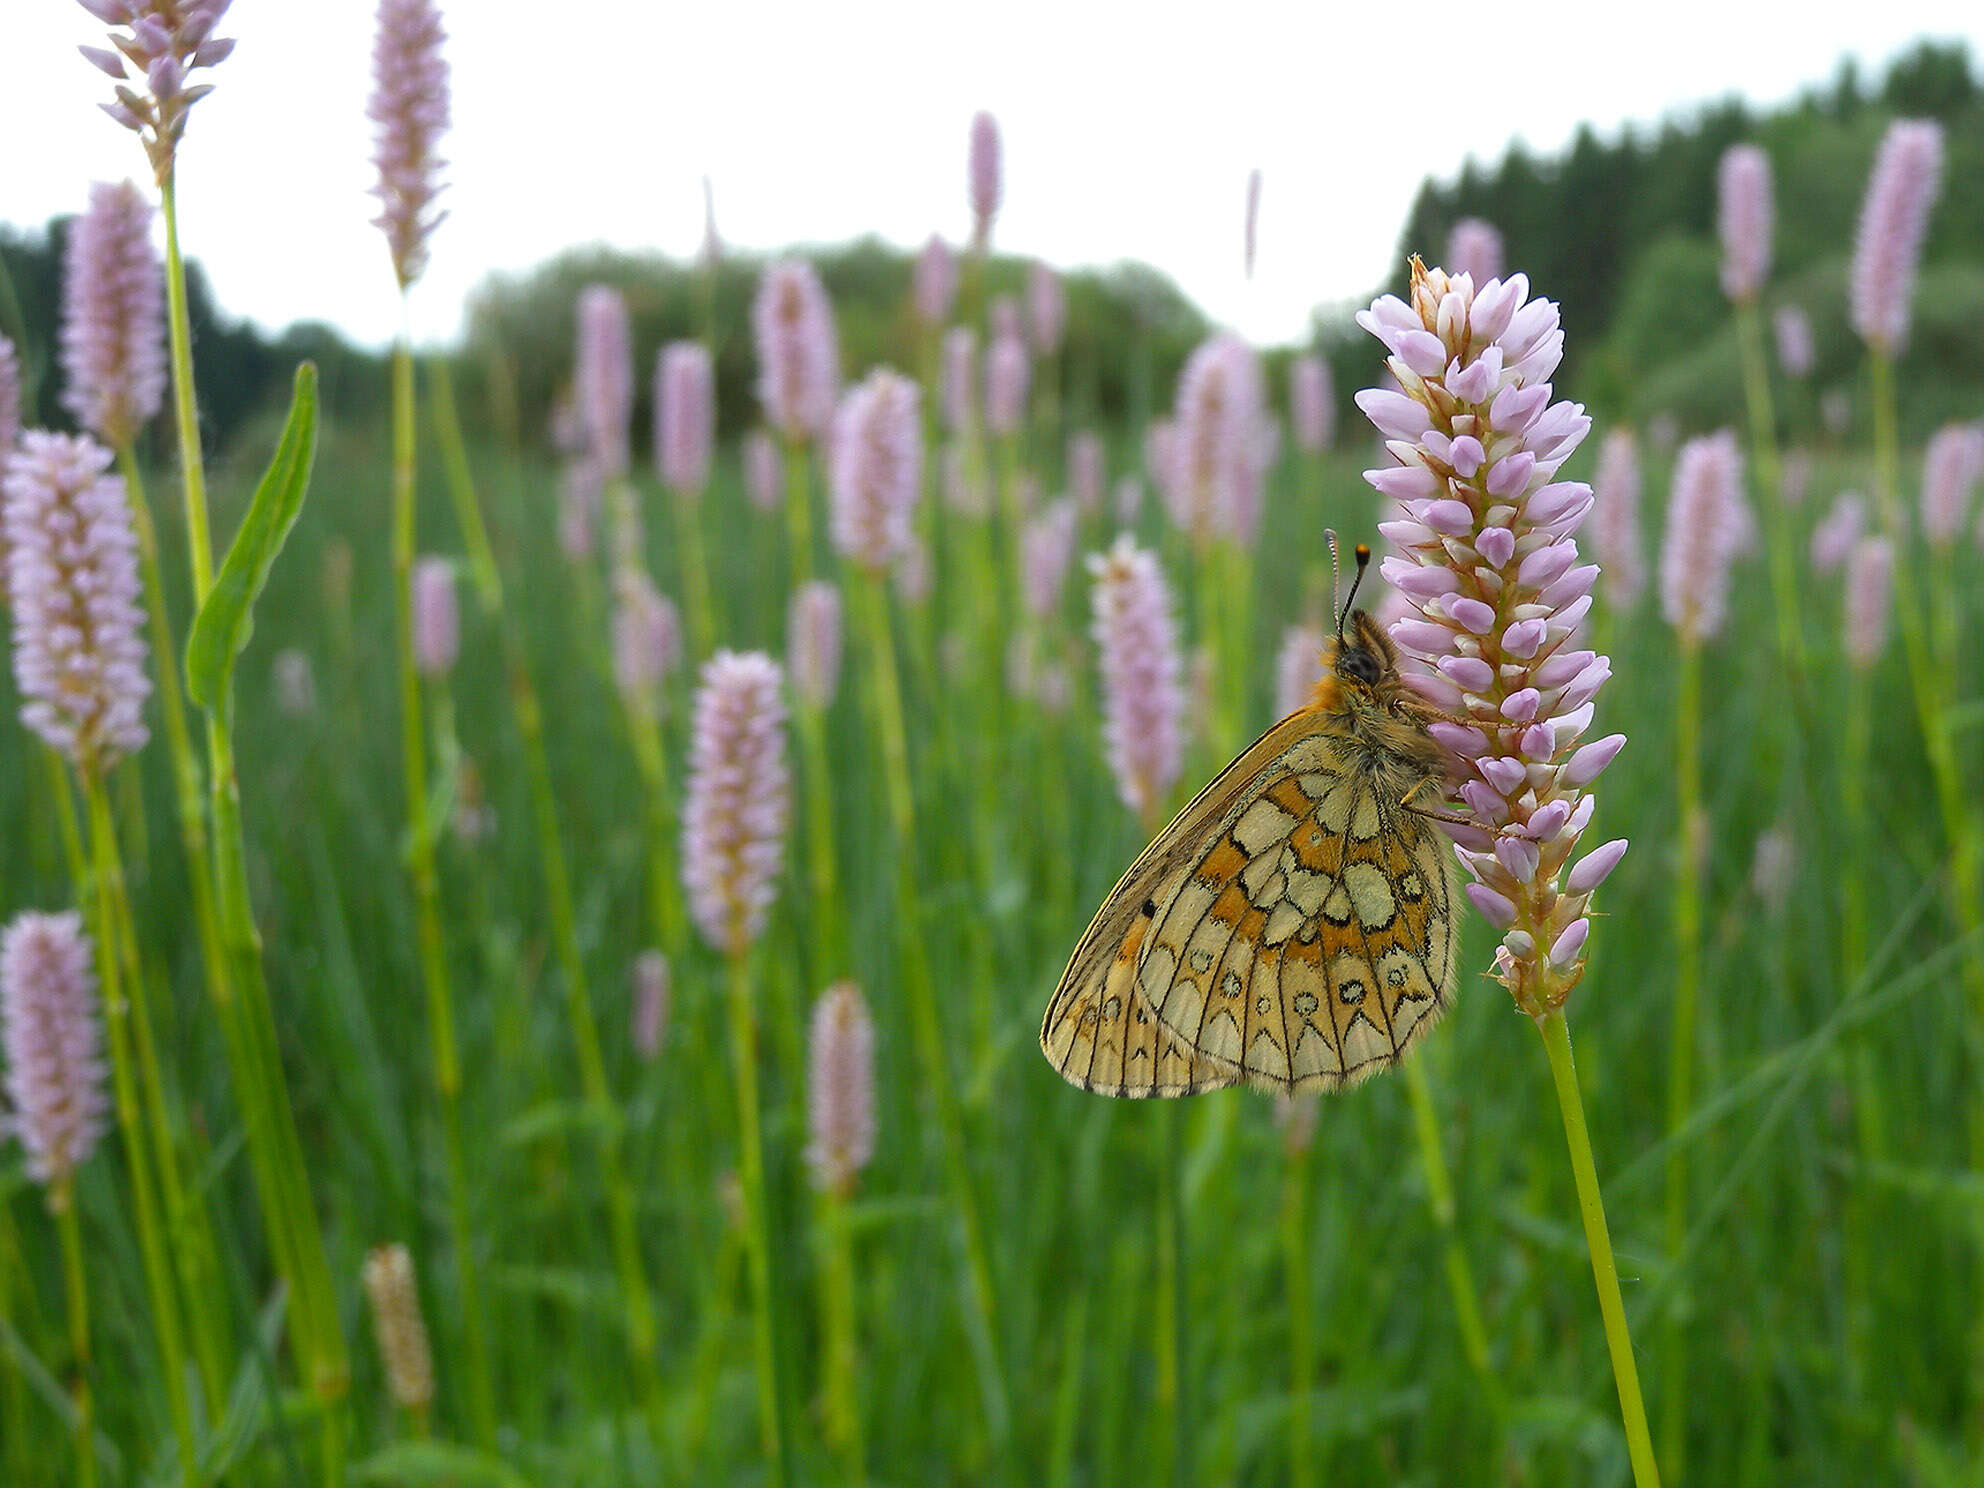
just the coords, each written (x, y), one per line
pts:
(1261, 826)
(1370, 894)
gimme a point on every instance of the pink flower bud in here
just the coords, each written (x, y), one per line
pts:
(960, 378)
(684, 415)
(1907, 175)
(603, 377)
(1705, 525)
(1950, 470)
(647, 638)
(1869, 581)
(798, 352)
(1006, 376)
(984, 178)
(877, 468)
(936, 282)
(1744, 217)
(812, 645)
(53, 1046)
(409, 112)
(113, 316)
(72, 578)
(1796, 353)
(650, 1011)
(735, 818)
(840, 1089)
(1138, 643)
(437, 631)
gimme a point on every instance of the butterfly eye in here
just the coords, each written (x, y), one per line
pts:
(1358, 664)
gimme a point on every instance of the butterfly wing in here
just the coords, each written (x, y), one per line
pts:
(1099, 1032)
(1293, 927)
(1314, 941)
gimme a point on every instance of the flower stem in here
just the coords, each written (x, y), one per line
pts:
(921, 995)
(842, 1352)
(1681, 1052)
(757, 1221)
(275, 1153)
(1770, 493)
(461, 485)
(798, 514)
(1604, 1271)
(694, 570)
(431, 943)
(118, 1012)
(1301, 1347)
(1440, 1198)
(62, 1201)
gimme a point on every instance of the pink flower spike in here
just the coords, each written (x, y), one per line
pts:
(1046, 309)
(1615, 531)
(936, 281)
(1137, 639)
(53, 1045)
(1796, 351)
(734, 821)
(1311, 404)
(1474, 248)
(72, 578)
(603, 377)
(762, 471)
(840, 1088)
(1218, 455)
(960, 379)
(1047, 547)
(647, 639)
(1744, 217)
(1007, 373)
(798, 350)
(812, 647)
(984, 178)
(1835, 536)
(167, 40)
(1950, 470)
(650, 1020)
(437, 629)
(1704, 525)
(685, 416)
(1907, 176)
(1507, 592)
(1869, 581)
(409, 111)
(877, 469)
(1298, 667)
(113, 317)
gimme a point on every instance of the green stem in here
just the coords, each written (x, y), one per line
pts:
(757, 1221)
(461, 486)
(192, 465)
(826, 917)
(1301, 1347)
(798, 513)
(1440, 1198)
(62, 1202)
(694, 571)
(1770, 493)
(842, 1352)
(118, 1013)
(1681, 1052)
(921, 994)
(275, 1154)
(1604, 1271)
(430, 942)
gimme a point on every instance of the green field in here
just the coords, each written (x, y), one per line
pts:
(1827, 1295)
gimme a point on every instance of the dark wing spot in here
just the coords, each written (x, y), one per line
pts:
(1150, 909)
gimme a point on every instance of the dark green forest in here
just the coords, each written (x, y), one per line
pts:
(1621, 232)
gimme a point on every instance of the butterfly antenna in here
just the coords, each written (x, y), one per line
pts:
(1329, 536)
(1363, 562)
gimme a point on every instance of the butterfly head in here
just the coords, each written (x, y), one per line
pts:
(1364, 656)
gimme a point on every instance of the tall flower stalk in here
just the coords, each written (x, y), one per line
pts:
(685, 431)
(1136, 638)
(877, 476)
(409, 110)
(840, 1092)
(50, 1042)
(1490, 564)
(79, 665)
(164, 42)
(798, 380)
(1745, 216)
(1705, 523)
(733, 842)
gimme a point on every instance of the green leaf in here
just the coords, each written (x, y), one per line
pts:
(226, 620)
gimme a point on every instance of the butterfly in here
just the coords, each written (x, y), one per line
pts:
(1294, 927)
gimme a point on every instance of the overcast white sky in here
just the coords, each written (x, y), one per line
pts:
(1128, 133)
